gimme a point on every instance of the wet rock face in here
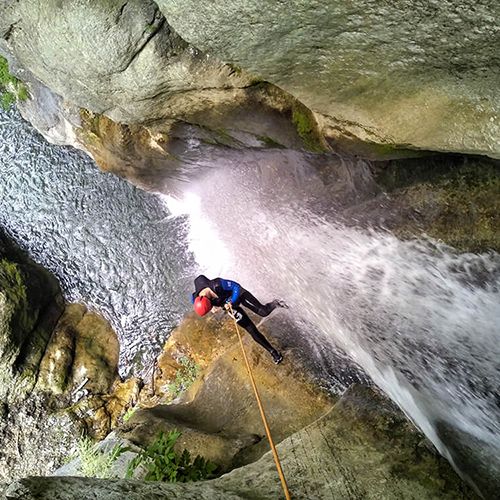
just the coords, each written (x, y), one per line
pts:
(30, 304)
(198, 131)
(48, 363)
(34, 440)
(218, 415)
(83, 350)
(403, 76)
(451, 199)
(363, 448)
(77, 391)
(422, 74)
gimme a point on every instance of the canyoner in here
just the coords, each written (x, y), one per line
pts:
(212, 295)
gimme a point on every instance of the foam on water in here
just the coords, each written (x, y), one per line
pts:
(111, 245)
(420, 319)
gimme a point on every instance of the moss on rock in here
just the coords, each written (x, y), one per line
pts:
(29, 307)
(11, 88)
(307, 128)
(455, 200)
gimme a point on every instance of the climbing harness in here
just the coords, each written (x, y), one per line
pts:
(261, 409)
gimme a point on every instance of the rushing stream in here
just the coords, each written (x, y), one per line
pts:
(420, 319)
(112, 246)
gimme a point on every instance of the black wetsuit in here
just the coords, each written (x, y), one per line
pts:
(230, 291)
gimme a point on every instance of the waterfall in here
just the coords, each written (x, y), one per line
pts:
(421, 319)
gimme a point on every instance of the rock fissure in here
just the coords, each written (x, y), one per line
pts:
(8, 33)
(151, 34)
(120, 12)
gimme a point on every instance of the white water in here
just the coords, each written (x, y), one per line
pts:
(112, 246)
(420, 319)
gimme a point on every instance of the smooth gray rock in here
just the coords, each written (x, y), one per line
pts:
(363, 448)
(113, 56)
(418, 73)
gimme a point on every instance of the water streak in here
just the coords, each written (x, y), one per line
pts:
(111, 245)
(422, 320)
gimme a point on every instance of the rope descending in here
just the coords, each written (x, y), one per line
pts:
(261, 409)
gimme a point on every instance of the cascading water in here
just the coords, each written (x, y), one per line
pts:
(112, 246)
(420, 319)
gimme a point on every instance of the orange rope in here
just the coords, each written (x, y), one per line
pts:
(262, 413)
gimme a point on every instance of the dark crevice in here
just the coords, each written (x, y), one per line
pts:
(154, 30)
(120, 13)
(7, 35)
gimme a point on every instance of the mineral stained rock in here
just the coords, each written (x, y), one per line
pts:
(422, 74)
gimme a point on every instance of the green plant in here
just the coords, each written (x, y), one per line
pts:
(95, 462)
(235, 70)
(184, 377)
(11, 89)
(129, 413)
(7, 99)
(307, 129)
(163, 463)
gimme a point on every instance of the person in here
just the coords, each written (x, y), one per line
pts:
(211, 295)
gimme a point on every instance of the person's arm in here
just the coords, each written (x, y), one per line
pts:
(233, 287)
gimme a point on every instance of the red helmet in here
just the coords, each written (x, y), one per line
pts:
(202, 305)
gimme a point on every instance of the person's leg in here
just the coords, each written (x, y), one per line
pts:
(248, 300)
(246, 323)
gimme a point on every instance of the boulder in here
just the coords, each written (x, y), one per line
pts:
(259, 74)
(118, 57)
(421, 75)
(83, 352)
(363, 448)
(79, 371)
(217, 414)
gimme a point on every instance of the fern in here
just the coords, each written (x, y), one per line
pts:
(95, 462)
(163, 463)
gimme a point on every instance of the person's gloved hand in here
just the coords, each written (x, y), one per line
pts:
(236, 315)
